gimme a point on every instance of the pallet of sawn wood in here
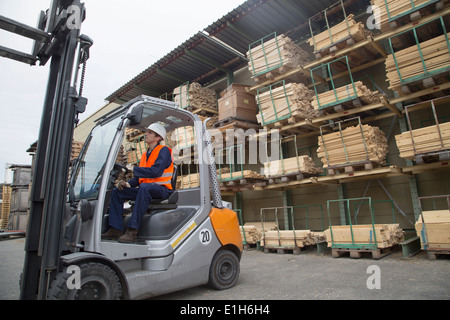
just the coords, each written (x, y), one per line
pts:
(436, 234)
(426, 140)
(408, 62)
(277, 55)
(348, 93)
(286, 101)
(387, 235)
(353, 144)
(346, 29)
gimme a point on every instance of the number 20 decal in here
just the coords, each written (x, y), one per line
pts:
(205, 236)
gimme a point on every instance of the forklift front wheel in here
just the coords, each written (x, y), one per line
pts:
(97, 282)
(224, 270)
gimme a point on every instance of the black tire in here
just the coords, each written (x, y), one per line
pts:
(224, 270)
(98, 282)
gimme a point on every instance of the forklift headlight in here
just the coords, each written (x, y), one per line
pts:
(85, 210)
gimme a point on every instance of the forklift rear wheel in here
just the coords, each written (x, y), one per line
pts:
(97, 282)
(224, 270)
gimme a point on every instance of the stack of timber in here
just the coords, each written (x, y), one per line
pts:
(183, 137)
(253, 230)
(136, 151)
(436, 235)
(408, 62)
(396, 8)
(300, 164)
(6, 206)
(76, 149)
(347, 29)
(131, 134)
(347, 92)
(387, 235)
(194, 96)
(425, 140)
(237, 103)
(188, 181)
(287, 238)
(244, 176)
(290, 100)
(351, 142)
(275, 56)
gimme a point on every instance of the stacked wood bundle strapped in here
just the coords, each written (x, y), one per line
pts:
(278, 54)
(352, 145)
(300, 164)
(424, 140)
(436, 234)
(406, 65)
(346, 93)
(291, 238)
(397, 9)
(292, 99)
(195, 96)
(346, 29)
(253, 230)
(387, 235)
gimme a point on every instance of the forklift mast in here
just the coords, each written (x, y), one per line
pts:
(57, 38)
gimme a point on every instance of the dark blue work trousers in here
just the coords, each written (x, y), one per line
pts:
(142, 195)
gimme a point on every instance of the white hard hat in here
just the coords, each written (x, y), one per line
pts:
(158, 129)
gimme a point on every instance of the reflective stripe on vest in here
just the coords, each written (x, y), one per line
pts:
(166, 177)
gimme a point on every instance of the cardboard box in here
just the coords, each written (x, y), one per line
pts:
(236, 102)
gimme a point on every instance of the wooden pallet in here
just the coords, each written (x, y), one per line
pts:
(349, 168)
(433, 254)
(282, 250)
(359, 253)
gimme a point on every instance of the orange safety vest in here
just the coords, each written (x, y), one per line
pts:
(166, 177)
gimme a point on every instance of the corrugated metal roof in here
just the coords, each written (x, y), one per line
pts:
(204, 59)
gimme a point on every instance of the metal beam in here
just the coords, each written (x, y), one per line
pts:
(17, 55)
(23, 30)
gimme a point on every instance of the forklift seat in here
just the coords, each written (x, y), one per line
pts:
(171, 202)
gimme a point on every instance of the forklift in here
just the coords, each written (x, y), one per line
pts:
(190, 239)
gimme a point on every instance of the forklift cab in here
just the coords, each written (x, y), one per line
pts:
(190, 239)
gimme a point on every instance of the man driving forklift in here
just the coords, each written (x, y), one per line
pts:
(152, 180)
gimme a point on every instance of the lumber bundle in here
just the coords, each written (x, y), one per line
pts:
(387, 235)
(301, 164)
(437, 227)
(344, 30)
(426, 140)
(253, 230)
(292, 99)
(245, 174)
(134, 155)
(6, 206)
(188, 181)
(76, 149)
(396, 8)
(195, 96)
(287, 238)
(330, 98)
(372, 137)
(435, 53)
(279, 53)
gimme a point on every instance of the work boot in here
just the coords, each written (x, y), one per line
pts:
(112, 234)
(129, 236)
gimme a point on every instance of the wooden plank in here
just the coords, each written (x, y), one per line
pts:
(387, 235)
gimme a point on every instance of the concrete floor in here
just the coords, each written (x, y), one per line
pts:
(308, 276)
